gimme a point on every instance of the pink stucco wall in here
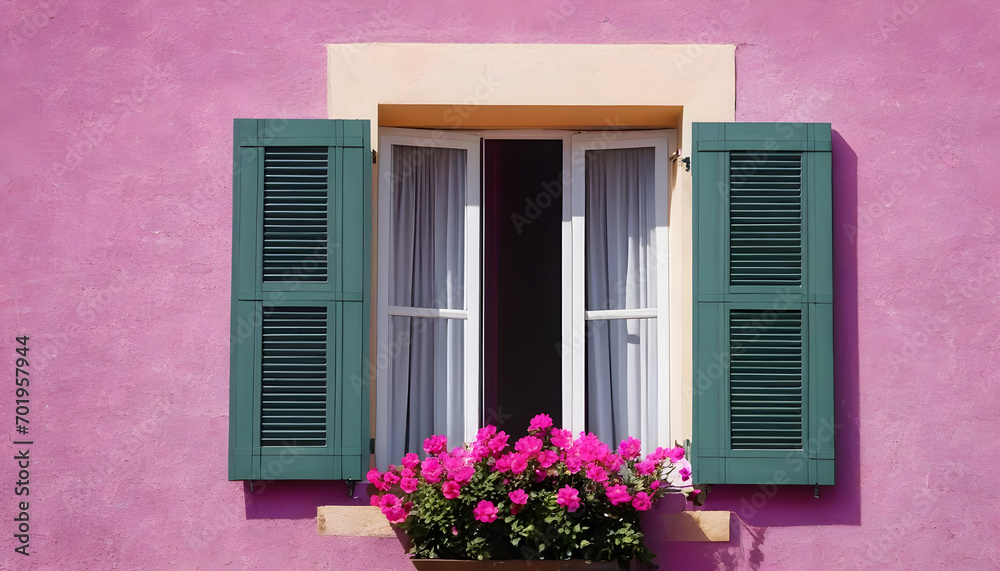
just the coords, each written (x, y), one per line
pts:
(115, 213)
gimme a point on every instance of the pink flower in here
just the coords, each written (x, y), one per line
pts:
(656, 455)
(410, 460)
(529, 445)
(569, 498)
(596, 473)
(431, 469)
(479, 451)
(590, 448)
(406, 473)
(613, 462)
(409, 485)
(547, 458)
(561, 438)
(641, 502)
(518, 496)
(376, 479)
(540, 422)
(518, 462)
(462, 475)
(573, 464)
(395, 514)
(646, 467)
(453, 463)
(682, 475)
(499, 442)
(374, 500)
(389, 500)
(675, 454)
(435, 444)
(485, 433)
(618, 494)
(654, 485)
(451, 489)
(503, 463)
(390, 478)
(630, 448)
(485, 512)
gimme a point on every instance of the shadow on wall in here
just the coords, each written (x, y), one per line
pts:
(744, 549)
(297, 499)
(758, 507)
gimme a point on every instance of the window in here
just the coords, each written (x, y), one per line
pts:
(763, 282)
(497, 86)
(558, 305)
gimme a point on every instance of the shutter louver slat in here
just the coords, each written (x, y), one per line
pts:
(765, 379)
(294, 376)
(765, 219)
(295, 214)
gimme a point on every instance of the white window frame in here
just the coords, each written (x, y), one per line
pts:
(574, 316)
(470, 314)
(663, 142)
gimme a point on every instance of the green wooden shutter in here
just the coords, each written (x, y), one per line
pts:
(299, 386)
(763, 305)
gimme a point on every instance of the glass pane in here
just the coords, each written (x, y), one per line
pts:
(621, 379)
(426, 371)
(620, 219)
(428, 227)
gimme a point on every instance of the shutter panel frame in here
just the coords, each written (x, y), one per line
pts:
(344, 297)
(718, 297)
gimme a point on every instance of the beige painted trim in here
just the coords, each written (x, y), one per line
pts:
(693, 526)
(354, 521)
(367, 521)
(485, 86)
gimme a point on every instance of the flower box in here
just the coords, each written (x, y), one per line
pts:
(513, 565)
(553, 502)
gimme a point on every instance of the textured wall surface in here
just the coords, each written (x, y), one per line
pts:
(115, 223)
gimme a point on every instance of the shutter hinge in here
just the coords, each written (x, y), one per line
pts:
(686, 161)
(371, 446)
(374, 156)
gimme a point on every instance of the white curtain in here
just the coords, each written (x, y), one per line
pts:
(621, 353)
(428, 271)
